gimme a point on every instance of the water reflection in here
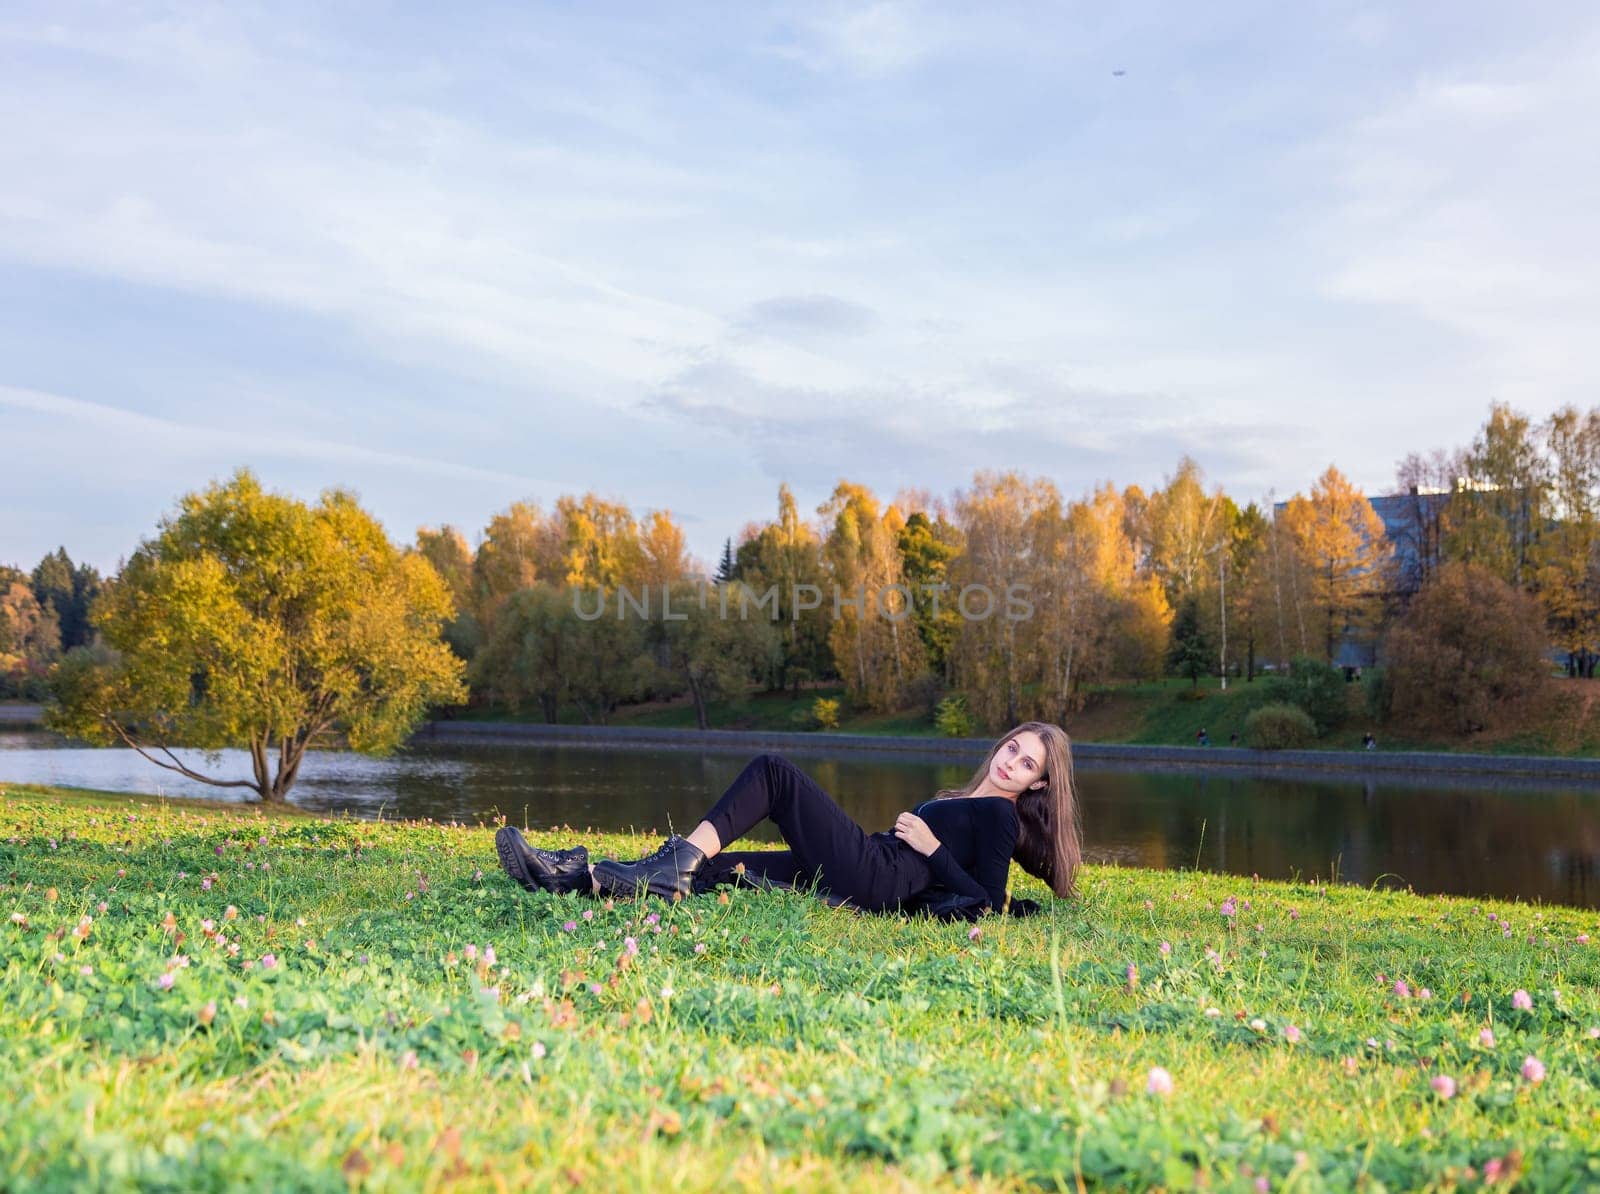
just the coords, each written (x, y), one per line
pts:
(1512, 841)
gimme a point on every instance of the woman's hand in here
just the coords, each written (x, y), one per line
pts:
(914, 832)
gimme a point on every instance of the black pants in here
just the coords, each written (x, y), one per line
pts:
(873, 872)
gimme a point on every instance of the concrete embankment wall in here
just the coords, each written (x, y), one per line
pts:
(1419, 764)
(21, 717)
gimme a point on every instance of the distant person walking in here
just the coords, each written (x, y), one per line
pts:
(1201, 738)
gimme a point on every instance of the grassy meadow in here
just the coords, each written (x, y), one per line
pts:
(201, 997)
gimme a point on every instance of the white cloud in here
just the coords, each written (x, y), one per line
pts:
(1481, 99)
(878, 38)
(948, 224)
(1469, 204)
(430, 236)
(128, 436)
(811, 314)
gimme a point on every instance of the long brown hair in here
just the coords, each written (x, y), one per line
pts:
(1050, 828)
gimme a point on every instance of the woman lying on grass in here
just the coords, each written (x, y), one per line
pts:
(949, 857)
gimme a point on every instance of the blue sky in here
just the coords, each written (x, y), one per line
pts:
(680, 253)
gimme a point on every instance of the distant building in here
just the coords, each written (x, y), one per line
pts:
(1413, 523)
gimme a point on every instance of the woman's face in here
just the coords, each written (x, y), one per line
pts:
(1019, 763)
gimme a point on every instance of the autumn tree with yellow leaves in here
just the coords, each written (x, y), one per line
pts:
(1182, 524)
(30, 635)
(1565, 560)
(1003, 518)
(1499, 510)
(568, 601)
(875, 645)
(253, 620)
(602, 546)
(519, 547)
(1099, 614)
(1340, 541)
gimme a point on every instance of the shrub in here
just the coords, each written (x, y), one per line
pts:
(22, 679)
(953, 719)
(1314, 687)
(825, 713)
(1279, 727)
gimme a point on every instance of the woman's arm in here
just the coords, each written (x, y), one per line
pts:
(947, 872)
(993, 824)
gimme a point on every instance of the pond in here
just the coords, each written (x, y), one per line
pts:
(1534, 843)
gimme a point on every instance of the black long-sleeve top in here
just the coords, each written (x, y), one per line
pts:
(976, 837)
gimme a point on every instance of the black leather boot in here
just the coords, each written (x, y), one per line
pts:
(542, 870)
(668, 873)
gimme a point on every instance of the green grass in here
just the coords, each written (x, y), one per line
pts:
(755, 711)
(758, 711)
(1166, 712)
(1152, 712)
(804, 1048)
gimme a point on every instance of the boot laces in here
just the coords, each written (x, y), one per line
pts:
(661, 851)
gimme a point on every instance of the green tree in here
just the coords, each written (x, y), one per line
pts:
(604, 650)
(1246, 598)
(706, 646)
(1191, 652)
(727, 567)
(69, 590)
(253, 620)
(525, 654)
(926, 550)
(781, 563)
(87, 586)
(446, 549)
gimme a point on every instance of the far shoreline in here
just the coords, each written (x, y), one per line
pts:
(1237, 759)
(1476, 769)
